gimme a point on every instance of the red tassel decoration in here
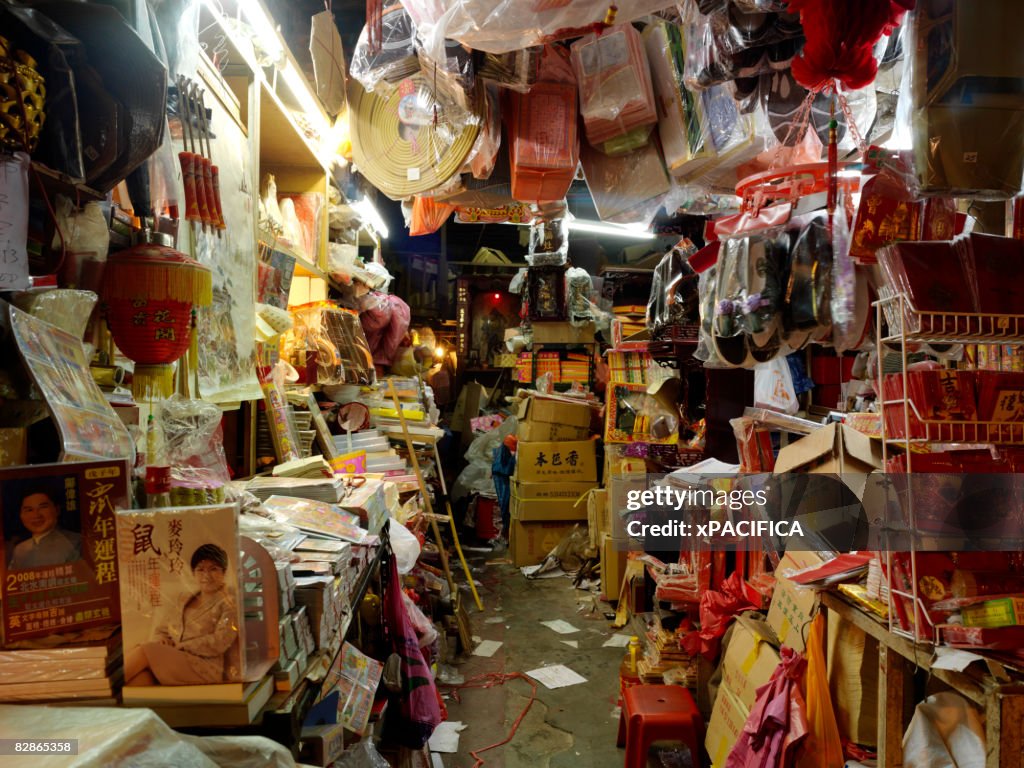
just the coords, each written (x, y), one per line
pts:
(374, 25)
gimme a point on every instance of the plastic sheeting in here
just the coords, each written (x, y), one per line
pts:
(117, 738)
(501, 26)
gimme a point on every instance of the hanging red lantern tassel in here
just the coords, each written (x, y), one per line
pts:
(841, 35)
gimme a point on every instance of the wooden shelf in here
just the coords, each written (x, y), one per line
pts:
(1003, 704)
(282, 141)
(54, 182)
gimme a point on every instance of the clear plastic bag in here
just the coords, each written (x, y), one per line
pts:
(844, 282)
(336, 336)
(500, 26)
(578, 290)
(674, 289)
(628, 188)
(193, 446)
(85, 238)
(396, 58)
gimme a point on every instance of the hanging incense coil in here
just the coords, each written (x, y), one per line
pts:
(22, 100)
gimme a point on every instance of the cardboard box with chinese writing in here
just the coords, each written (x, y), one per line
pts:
(792, 607)
(853, 679)
(58, 539)
(728, 717)
(750, 658)
(556, 461)
(530, 543)
(549, 501)
(540, 431)
(598, 520)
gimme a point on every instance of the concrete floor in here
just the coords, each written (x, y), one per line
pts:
(569, 726)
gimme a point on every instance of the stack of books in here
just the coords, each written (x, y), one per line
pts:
(326, 490)
(87, 672)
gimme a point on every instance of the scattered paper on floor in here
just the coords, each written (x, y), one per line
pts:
(571, 643)
(618, 640)
(446, 737)
(487, 648)
(436, 760)
(556, 676)
(494, 620)
(561, 626)
(530, 571)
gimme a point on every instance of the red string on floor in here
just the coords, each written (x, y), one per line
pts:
(492, 680)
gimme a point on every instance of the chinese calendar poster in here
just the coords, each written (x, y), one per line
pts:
(59, 568)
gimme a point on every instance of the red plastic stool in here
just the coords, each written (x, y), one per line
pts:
(653, 713)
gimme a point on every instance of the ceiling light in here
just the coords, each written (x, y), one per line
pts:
(612, 230)
(368, 213)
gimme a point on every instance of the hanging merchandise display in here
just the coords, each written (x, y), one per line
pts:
(413, 139)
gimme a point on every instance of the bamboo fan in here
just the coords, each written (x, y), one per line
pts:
(408, 141)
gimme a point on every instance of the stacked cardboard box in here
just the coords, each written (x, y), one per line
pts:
(556, 465)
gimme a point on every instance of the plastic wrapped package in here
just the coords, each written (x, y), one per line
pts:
(65, 308)
(415, 137)
(336, 336)
(484, 156)
(549, 243)
(194, 449)
(385, 321)
(457, 67)
(679, 110)
(749, 297)
(578, 290)
(616, 95)
(733, 138)
(476, 477)
(84, 238)
(308, 208)
(396, 58)
(627, 188)
(242, 751)
(544, 144)
(108, 737)
(362, 755)
(500, 26)
(674, 289)
(966, 86)
(515, 70)
(845, 334)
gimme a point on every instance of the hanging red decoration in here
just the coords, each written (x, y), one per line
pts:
(841, 35)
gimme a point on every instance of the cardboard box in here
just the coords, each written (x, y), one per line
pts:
(750, 659)
(530, 543)
(853, 679)
(533, 502)
(598, 520)
(613, 566)
(563, 333)
(727, 720)
(549, 411)
(556, 461)
(619, 487)
(13, 446)
(322, 745)
(792, 607)
(835, 449)
(543, 431)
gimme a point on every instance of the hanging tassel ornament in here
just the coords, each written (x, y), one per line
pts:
(833, 160)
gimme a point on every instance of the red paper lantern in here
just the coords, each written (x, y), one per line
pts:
(149, 294)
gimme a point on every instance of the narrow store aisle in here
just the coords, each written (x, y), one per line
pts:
(569, 726)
